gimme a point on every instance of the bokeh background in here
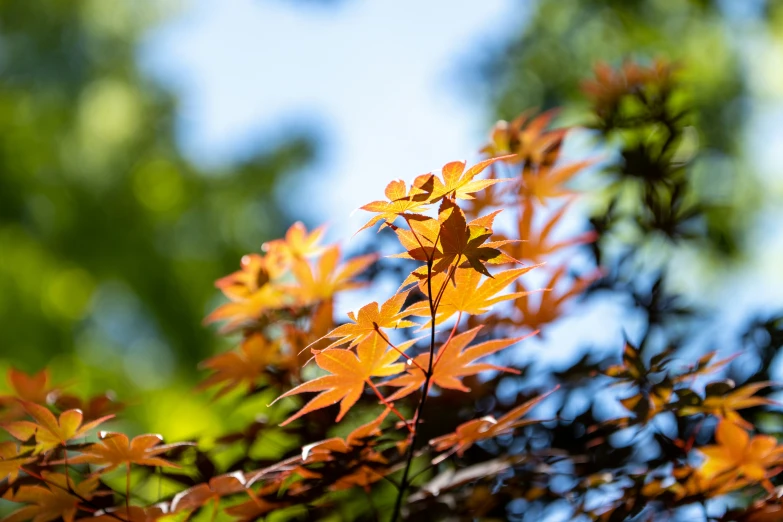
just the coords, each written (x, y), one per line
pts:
(146, 145)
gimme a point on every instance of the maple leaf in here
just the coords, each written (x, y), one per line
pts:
(217, 488)
(297, 243)
(30, 388)
(54, 501)
(467, 295)
(527, 139)
(370, 319)
(452, 362)
(401, 202)
(738, 454)
(348, 375)
(114, 449)
(467, 241)
(475, 430)
(241, 367)
(329, 278)
(356, 438)
(49, 430)
(722, 404)
(451, 239)
(241, 313)
(550, 304)
(547, 182)
(457, 183)
(92, 408)
(11, 462)
(536, 244)
(243, 283)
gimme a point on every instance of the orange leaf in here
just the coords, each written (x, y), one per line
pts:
(114, 449)
(476, 430)
(454, 361)
(370, 319)
(348, 374)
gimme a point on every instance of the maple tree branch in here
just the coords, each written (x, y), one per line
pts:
(404, 483)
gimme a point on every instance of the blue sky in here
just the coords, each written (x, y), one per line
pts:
(381, 81)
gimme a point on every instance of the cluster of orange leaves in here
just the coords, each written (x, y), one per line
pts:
(281, 303)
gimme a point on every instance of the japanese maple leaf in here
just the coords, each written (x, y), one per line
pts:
(114, 450)
(467, 242)
(53, 500)
(241, 367)
(370, 319)
(527, 139)
(550, 305)
(297, 243)
(238, 314)
(537, 244)
(726, 405)
(469, 295)
(356, 438)
(484, 428)
(201, 494)
(11, 462)
(243, 283)
(49, 430)
(328, 278)
(458, 183)
(348, 374)
(452, 362)
(451, 240)
(400, 202)
(738, 454)
(31, 388)
(547, 182)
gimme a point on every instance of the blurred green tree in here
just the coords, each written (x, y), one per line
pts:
(559, 43)
(107, 233)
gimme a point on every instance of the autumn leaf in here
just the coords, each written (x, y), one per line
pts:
(400, 202)
(217, 488)
(11, 461)
(57, 498)
(469, 295)
(253, 509)
(114, 449)
(456, 182)
(329, 278)
(49, 430)
(550, 304)
(738, 454)
(244, 366)
(453, 361)
(298, 243)
(348, 375)
(370, 319)
(527, 139)
(477, 430)
(30, 388)
(356, 438)
(725, 405)
(547, 182)
(536, 244)
(451, 242)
